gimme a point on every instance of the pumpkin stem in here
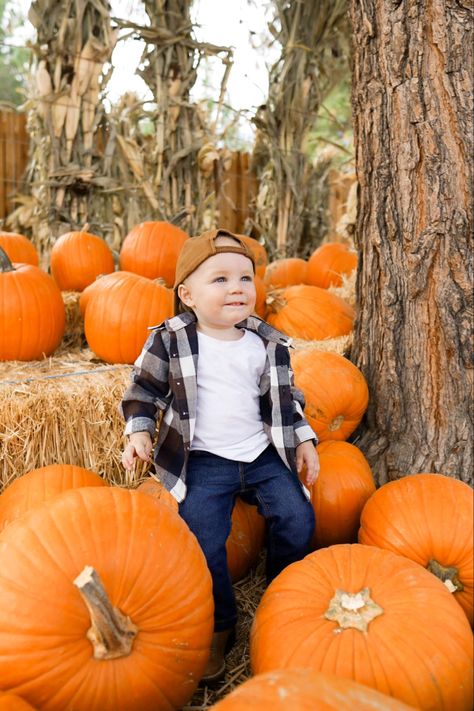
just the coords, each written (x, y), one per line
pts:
(111, 633)
(275, 300)
(5, 263)
(336, 423)
(449, 576)
(354, 610)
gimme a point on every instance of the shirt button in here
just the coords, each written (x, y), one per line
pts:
(178, 382)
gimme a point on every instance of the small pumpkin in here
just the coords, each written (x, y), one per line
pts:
(77, 258)
(288, 271)
(309, 312)
(372, 616)
(39, 485)
(259, 253)
(305, 690)
(429, 518)
(118, 318)
(335, 391)
(142, 643)
(344, 484)
(32, 312)
(19, 248)
(151, 249)
(329, 262)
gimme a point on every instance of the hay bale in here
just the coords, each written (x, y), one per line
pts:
(74, 331)
(63, 409)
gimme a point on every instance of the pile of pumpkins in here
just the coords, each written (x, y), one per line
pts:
(118, 306)
(106, 602)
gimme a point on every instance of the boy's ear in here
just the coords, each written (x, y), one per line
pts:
(184, 294)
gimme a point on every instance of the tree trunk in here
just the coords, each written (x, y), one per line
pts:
(412, 103)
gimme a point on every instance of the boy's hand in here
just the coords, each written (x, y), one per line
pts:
(306, 454)
(139, 445)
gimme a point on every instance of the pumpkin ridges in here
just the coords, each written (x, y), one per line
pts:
(19, 248)
(77, 258)
(151, 249)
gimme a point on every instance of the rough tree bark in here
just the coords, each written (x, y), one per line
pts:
(412, 104)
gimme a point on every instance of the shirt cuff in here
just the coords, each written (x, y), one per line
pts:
(140, 424)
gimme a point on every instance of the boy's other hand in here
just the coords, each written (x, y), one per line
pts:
(139, 446)
(306, 455)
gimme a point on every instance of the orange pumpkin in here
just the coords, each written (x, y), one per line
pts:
(11, 702)
(259, 253)
(151, 249)
(284, 272)
(117, 318)
(310, 313)
(40, 485)
(77, 258)
(32, 313)
(305, 690)
(19, 248)
(372, 616)
(329, 262)
(104, 281)
(156, 590)
(246, 536)
(344, 484)
(260, 305)
(335, 390)
(428, 518)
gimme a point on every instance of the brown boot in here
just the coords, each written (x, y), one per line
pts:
(222, 642)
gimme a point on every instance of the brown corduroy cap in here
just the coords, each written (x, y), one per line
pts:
(196, 250)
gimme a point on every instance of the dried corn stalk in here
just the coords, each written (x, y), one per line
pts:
(74, 39)
(313, 38)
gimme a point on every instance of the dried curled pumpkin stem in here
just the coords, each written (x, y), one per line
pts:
(448, 575)
(111, 632)
(5, 263)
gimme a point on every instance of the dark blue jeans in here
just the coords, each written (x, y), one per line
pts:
(213, 485)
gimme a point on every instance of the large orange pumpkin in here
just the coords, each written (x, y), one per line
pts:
(329, 262)
(32, 313)
(335, 390)
(372, 616)
(104, 282)
(152, 249)
(77, 258)
(39, 485)
(19, 248)
(428, 518)
(344, 484)
(309, 312)
(157, 592)
(259, 253)
(246, 536)
(11, 702)
(117, 318)
(305, 690)
(284, 272)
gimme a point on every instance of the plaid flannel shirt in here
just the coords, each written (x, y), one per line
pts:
(164, 390)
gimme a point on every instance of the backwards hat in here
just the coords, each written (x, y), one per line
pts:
(196, 250)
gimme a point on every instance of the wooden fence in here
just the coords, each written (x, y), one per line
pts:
(13, 157)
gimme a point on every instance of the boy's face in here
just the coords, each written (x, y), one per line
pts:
(221, 291)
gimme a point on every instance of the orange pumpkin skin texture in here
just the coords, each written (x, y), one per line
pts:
(285, 272)
(328, 262)
(19, 248)
(311, 313)
(153, 572)
(246, 536)
(259, 253)
(117, 318)
(10, 702)
(428, 518)
(151, 249)
(372, 616)
(32, 313)
(335, 390)
(104, 282)
(260, 305)
(77, 258)
(344, 484)
(306, 690)
(40, 485)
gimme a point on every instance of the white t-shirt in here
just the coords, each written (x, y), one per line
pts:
(228, 421)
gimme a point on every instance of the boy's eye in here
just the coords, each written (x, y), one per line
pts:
(220, 279)
(247, 278)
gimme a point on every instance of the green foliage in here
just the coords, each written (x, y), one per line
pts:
(13, 59)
